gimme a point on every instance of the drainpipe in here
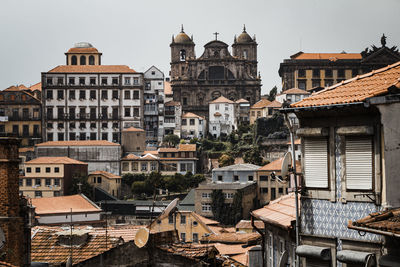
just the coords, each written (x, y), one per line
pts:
(262, 239)
(291, 130)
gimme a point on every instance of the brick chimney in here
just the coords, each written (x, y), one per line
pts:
(12, 218)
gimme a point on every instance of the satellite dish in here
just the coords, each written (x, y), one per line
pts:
(171, 206)
(2, 238)
(141, 237)
(286, 163)
(283, 260)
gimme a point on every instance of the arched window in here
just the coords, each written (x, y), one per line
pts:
(83, 60)
(74, 61)
(182, 55)
(91, 60)
(245, 55)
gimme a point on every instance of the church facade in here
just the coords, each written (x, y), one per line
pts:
(197, 81)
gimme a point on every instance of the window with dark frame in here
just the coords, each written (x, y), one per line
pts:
(92, 94)
(114, 94)
(135, 94)
(104, 94)
(114, 81)
(92, 81)
(104, 81)
(82, 94)
(328, 73)
(71, 94)
(316, 73)
(81, 81)
(71, 81)
(60, 94)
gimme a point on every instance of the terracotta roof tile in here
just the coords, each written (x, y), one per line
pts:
(387, 222)
(192, 115)
(222, 99)
(132, 129)
(26, 149)
(327, 56)
(242, 258)
(217, 114)
(205, 220)
(46, 248)
(295, 91)
(106, 174)
(16, 88)
(280, 212)
(92, 69)
(167, 149)
(79, 143)
(232, 238)
(6, 264)
(229, 250)
(357, 89)
(247, 224)
(63, 204)
(55, 160)
(191, 251)
(276, 166)
(37, 86)
(172, 103)
(261, 104)
(274, 104)
(167, 88)
(241, 101)
(187, 147)
(82, 50)
(131, 156)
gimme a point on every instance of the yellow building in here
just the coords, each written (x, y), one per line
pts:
(167, 160)
(270, 184)
(109, 182)
(191, 227)
(20, 114)
(263, 109)
(50, 176)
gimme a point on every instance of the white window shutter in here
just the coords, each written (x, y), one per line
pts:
(359, 163)
(316, 162)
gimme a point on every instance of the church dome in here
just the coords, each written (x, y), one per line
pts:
(244, 37)
(82, 48)
(183, 38)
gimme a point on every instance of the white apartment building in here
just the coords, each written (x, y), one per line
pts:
(292, 96)
(222, 116)
(154, 106)
(172, 118)
(84, 100)
(193, 126)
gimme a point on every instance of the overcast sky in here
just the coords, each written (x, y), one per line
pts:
(36, 34)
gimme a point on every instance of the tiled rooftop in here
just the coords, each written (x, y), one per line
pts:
(106, 174)
(275, 104)
(172, 103)
(387, 222)
(37, 86)
(261, 104)
(92, 69)
(79, 143)
(192, 115)
(63, 204)
(327, 56)
(357, 89)
(280, 212)
(82, 50)
(222, 99)
(276, 165)
(187, 147)
(247, 224)
(45, 247)
(191, 251)
(241, 101)
(295, 91)
(55, 160)
(232, 238)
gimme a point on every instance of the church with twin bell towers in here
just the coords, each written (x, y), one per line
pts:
(196, 81)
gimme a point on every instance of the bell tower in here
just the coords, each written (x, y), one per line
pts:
(83, 53)
(182, 50)
(245, 48)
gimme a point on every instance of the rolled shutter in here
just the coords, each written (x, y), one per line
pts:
(359, 163)
(316, 162)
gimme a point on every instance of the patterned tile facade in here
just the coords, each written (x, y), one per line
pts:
(330, 219)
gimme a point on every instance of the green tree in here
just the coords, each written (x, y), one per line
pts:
(253, 156)
(171, 140)
(218, 205)
(141, 189)
(272, 93)
(82, 183)
(225, 160)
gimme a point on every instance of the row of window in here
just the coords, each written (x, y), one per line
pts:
(82, 94)
(236, 178)
(46, 169)
(25, 130)
(226, 195)
(16, 113)
(226, 106)
(358, 163)
(316, 73)
(128, 112)
(38, 193)
(91, 81)
(152, 166)
(83, 125)
(191, 122)
(39, 182)
(83, 136)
